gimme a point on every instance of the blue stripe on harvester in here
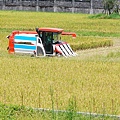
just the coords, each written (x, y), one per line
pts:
(26, 38)
(24, 46)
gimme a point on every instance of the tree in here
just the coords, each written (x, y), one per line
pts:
(109, 6)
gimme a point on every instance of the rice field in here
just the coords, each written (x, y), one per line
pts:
(52, 81)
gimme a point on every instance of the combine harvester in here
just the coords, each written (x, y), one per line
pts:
(42, 42)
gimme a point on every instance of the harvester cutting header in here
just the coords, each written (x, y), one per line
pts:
(42, 42)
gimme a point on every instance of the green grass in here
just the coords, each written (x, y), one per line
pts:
(105, 16)
(94, 82)
(15, 112)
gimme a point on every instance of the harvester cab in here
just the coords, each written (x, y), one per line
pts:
(51, 39)
(42, 42)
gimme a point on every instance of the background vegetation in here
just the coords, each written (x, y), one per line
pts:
(89, 33)
(48, 82)
(12, 112)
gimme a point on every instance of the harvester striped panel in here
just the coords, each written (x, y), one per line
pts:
(71, 50)
(26, 38)
(59, 49)
(65, 50)
(25, 43)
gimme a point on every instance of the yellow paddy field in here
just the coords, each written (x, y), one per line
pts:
(94, 82)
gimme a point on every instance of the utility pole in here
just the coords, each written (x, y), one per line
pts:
(91, 6)
(37, 7)
(3, 6)
(20, 5)
(55, 6)
(73, 5)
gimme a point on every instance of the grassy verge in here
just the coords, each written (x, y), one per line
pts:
(105, 16)
(15, 112)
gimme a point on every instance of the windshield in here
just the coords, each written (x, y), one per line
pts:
(56, 36)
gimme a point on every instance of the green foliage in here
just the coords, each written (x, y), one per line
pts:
(71, 110)
(10, 112)
(104, 16)
(109, 5)
(15, 112)
(114, 16)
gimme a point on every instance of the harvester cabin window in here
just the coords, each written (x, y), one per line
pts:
(56, 37)
(49, 37)
(48, 42)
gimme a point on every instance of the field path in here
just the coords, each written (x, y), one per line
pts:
(101, 50)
